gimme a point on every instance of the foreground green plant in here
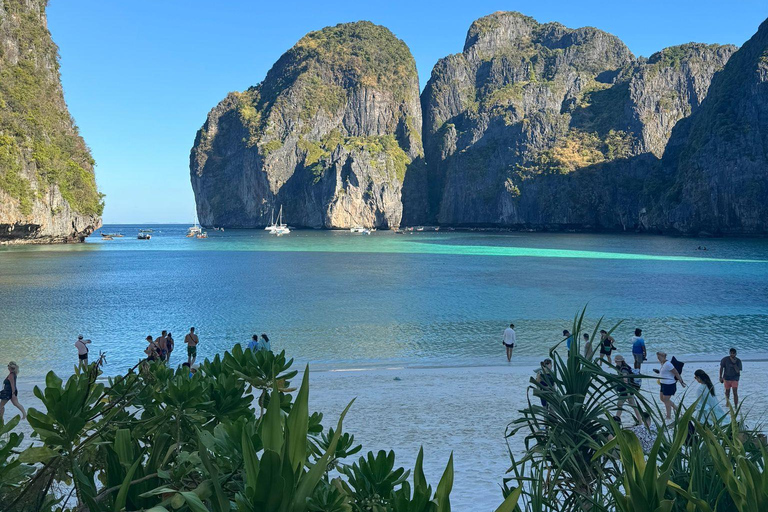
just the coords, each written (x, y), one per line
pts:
(161, 440)
(578, 458)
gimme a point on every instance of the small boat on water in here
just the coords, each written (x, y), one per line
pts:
(106, 237)
(202, 234)
(195, 229)
(279, 228)
(143, 235)
(112, 235)
(357, 229)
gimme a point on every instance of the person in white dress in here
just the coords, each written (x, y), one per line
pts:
(707, 403)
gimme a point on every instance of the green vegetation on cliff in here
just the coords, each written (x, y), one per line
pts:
(317, 155)
(36, 130)
(313, 77)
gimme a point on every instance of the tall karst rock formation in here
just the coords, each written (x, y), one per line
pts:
(331, 135)
(47, 186)
(532, 126)
(717, 159)
(521, 128)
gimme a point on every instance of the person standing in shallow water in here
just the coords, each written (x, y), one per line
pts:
(170, 343)
(191, 339)
(10, 392)
(730, 373)
(510, 338)
(161, 347)
(82, 350)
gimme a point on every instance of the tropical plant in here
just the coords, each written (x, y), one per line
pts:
(161, 439)
(565, 431)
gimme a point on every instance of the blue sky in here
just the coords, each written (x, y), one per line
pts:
(140, 76)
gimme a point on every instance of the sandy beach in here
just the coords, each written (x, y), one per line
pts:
(454, 409)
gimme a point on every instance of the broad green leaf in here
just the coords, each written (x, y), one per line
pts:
(443, 491)
(35, 454)
(510, 502)
(297, 425)
(272, 430)
(193, 500)
(122, 494)
(309, 480)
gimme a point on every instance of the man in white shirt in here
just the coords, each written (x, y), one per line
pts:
(509, 340)
(82, 350)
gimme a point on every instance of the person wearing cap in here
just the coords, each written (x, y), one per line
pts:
(82, 350)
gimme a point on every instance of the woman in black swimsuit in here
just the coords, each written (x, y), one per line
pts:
(10, 391)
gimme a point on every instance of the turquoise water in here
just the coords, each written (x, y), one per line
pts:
(343, 301)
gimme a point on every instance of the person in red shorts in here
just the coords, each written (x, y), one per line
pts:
(730, 372)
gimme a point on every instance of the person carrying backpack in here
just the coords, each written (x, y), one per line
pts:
(626, 391)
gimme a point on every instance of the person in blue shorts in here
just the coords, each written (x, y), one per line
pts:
(638, 348)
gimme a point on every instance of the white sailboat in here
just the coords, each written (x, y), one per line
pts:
(194, 230)
(279, 228)
(272, 226)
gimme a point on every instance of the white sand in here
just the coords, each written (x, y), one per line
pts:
(464, 410)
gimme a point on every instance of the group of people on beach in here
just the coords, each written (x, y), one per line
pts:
(158, 349)
(669, 372)
(161, 348)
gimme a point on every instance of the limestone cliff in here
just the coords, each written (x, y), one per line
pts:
(47, 185)
(529, 116)
(717, 159)
(331, 135)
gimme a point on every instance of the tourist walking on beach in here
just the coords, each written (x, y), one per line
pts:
(588, 350)
(191, 340)
(625, 391)
(509, 340)
(10, 392)
(544, 378)
(730, 373)
(568, 339)
(82, 350)
(711, 412)
(606, 346)
(646, 432)
(668, 378)
(638, 348)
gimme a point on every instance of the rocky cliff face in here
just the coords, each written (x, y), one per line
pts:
(47, 185)
(331, 135)
(717, 159)
(529, 114)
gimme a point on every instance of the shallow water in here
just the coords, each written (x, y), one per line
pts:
(340, 300)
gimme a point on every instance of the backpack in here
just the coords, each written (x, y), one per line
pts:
(678, 365)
